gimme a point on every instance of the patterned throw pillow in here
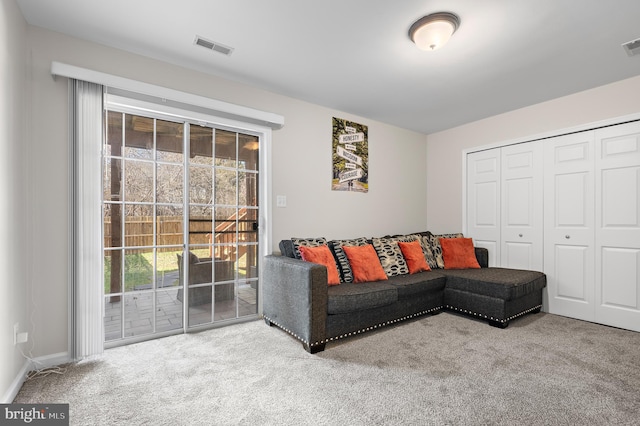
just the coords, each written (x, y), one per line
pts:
(346, 273)
(436, 249)
(425, 242)
(390, 256)
(307, 242)
(406, 238)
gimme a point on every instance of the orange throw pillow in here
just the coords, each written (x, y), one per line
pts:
(458, 253)
(412, 252)
(322, 256)
(365, 263)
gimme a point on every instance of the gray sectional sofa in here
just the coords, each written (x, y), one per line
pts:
(297, 298)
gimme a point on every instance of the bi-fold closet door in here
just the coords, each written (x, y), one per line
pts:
(569, 206)
(483, 201)
(592, 225)
(617, 226)
(569, 237)
(504, 204)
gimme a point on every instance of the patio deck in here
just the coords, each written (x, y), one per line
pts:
(139, 312)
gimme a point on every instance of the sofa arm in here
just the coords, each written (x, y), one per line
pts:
(295, 298)
(482, 254)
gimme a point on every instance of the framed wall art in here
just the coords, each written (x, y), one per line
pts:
(350, 148)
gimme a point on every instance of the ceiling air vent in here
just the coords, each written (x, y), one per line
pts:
(632, 47)
(211, 45)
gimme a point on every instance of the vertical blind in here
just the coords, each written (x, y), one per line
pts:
(87, 332)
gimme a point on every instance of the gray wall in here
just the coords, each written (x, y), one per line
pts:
(14, 264)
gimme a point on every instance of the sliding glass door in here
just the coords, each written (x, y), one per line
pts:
(180, 225)
(223, 225)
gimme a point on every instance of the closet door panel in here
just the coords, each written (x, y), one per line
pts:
(618, 226)
(569, 219)
(521, 206)
(518, 255)
(571, 271)
(620, 274)
(483, 201)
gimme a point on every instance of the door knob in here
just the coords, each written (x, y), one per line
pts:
(567, 236)
(520, 235)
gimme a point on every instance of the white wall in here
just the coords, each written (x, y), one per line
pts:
(444, 149)
(14, 264)
(396, 202)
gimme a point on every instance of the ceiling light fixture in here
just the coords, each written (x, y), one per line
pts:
(431, 32)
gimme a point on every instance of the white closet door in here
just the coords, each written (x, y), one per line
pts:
(483, 201)
(522, 201)
(569, 220)
(617, 229)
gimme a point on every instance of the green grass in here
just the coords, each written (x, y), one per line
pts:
(139, 267)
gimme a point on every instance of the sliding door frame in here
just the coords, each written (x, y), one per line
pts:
(190, 118)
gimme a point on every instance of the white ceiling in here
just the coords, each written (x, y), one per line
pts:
(355, 55)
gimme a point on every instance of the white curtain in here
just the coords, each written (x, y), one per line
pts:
(87, 331)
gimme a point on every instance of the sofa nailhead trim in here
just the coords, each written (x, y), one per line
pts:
(331, 339)
(466, 311)
(453, 308)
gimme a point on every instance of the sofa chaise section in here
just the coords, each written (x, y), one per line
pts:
(495, 294)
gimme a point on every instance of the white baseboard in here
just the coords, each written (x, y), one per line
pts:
(51, 360)
(17, 383)
(33, 364)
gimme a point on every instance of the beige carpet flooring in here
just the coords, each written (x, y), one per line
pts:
(437, 370)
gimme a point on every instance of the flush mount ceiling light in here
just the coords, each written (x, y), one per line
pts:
(431, 32)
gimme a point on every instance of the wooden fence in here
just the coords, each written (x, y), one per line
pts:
(139, 232)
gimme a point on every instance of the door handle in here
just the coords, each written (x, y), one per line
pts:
(567, 236)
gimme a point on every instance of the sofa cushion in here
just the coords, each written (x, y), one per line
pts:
(458, 253)
(286, 248)
(411, 285)
(390, 256)
(501, 283)
(346, 274)
(482, 254)
(364, 263)
(351, 297)
(323, 256)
